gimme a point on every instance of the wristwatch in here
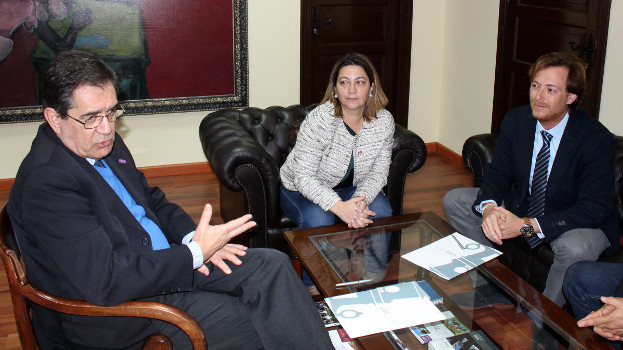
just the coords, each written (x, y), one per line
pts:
(527, 230)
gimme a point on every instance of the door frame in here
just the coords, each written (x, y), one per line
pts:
(599, 54)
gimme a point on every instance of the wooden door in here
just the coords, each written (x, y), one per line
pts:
(530, 28)
(379, 29)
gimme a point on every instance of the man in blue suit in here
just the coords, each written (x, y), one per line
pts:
(551, 178)
(90, 228)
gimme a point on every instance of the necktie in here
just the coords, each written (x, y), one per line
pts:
(158, 239)
(539, 184)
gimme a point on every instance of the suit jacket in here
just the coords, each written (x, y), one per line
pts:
(581, 186)
(80, 241)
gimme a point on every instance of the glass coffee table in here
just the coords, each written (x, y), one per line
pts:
(371, 257)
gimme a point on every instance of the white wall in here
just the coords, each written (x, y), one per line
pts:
(612, 88)
(452, 74)
(452, 69)
(427, 52)
(468, 69)
(274, 52)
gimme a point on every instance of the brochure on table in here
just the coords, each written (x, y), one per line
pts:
(475, 340)
(452, 255)
(341, 340)
(449, 327)
(383, 309)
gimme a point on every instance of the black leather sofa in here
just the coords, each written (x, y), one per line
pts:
(247, 147)
(532, 264)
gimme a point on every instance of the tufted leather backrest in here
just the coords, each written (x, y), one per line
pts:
(272, 127)
(477, 153)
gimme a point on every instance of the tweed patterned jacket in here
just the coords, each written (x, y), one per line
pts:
(322, 153)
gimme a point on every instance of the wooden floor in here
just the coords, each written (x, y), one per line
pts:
(424, 192)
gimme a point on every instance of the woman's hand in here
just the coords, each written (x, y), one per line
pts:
(364, 211)
(354, 212)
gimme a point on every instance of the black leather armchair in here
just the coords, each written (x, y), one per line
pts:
(247, 147)
(532, 264)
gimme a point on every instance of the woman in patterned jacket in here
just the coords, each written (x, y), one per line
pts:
(342, 154)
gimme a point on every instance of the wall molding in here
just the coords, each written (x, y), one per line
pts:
(5, 184)
(150, 172)
(177, 169)
(205, 168)
(436, 147)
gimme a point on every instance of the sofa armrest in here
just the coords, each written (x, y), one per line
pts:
(407, 140)
(227, 146)
(241, 164)
(478, 151)
(408, 155)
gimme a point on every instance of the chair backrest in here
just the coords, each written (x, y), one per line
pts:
(17, 279)
(273, 127)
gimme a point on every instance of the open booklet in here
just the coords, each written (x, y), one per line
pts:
(452, 255)
(383, 309)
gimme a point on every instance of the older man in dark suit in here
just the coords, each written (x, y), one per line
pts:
(91, 228)
(551, 178)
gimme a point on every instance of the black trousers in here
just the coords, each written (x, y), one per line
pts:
(262, 304)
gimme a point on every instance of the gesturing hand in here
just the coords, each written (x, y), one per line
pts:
(211, 238)
(228, 252)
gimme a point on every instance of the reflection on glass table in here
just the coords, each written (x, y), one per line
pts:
(357, 259)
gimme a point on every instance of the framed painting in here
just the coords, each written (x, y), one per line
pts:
(172, 55)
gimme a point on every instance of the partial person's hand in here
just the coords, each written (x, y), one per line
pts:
(349, 211)
(490, 223)
(360, 243)
(228, 252)
(362, 206)
(204, 270)
(212, 238)
(510, 226)
(608, 320)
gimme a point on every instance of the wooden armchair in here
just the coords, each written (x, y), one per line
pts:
(23, 295)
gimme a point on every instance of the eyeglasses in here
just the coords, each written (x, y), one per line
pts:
(93, 121)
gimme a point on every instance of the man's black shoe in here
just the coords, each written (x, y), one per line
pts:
(484, 296)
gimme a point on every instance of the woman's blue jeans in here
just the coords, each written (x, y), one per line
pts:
(305, 213)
